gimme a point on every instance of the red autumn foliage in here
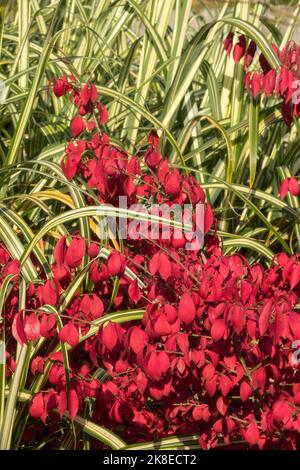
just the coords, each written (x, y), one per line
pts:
(213, 353)
(283, 83)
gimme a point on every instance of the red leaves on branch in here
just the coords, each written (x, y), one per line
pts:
(213, 353)
(284, 83)
(289, 185)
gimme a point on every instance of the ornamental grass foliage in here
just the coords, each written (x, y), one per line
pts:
(138, 342)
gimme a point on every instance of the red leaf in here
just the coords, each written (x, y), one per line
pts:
(103, 115)
(37, 406)
(228, 43)
(225, 385)
(218, 329)
(211, 386)
(264, 317)
(252, 434)
(294, 322)
(93, 250)
(201, 413)
(60, 250)
(114, 263)
(295, 276)
(69, 334)
(154, 264)
(208, 219)
(208, 372)
(255, 84)
(239, 49)
(13, 267)
(48, 325)
(237, 319)
(245, 391)
(73, 403)
(109, 336)
(183, 342)
(77, 126)
(57, 357)
(162, 327)
(165, 267)
(158, 364)
(153, 368)
(282, 411)
(4, 255)
(49, 293)
(69, 167)
(134, 291)
(246, 291)
(160, 263)
(153, 139)
(88, 93)
(259, 378)
(172, 183)
(281, 326)
(37, 365)
(96, 306)
(186, 309)
(129, 186)
(32, 327)
(294, 187)
(250, 54)
(284, 188)
(222, 406)
(75, 252)
(138, 339)
(60, 87)
(92, 306)
(164, 361)
(18, 329)
(269, 82)
(153, 158)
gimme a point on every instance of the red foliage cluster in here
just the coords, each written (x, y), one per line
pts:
(284, 83)
(289, 185)
(213, 354)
